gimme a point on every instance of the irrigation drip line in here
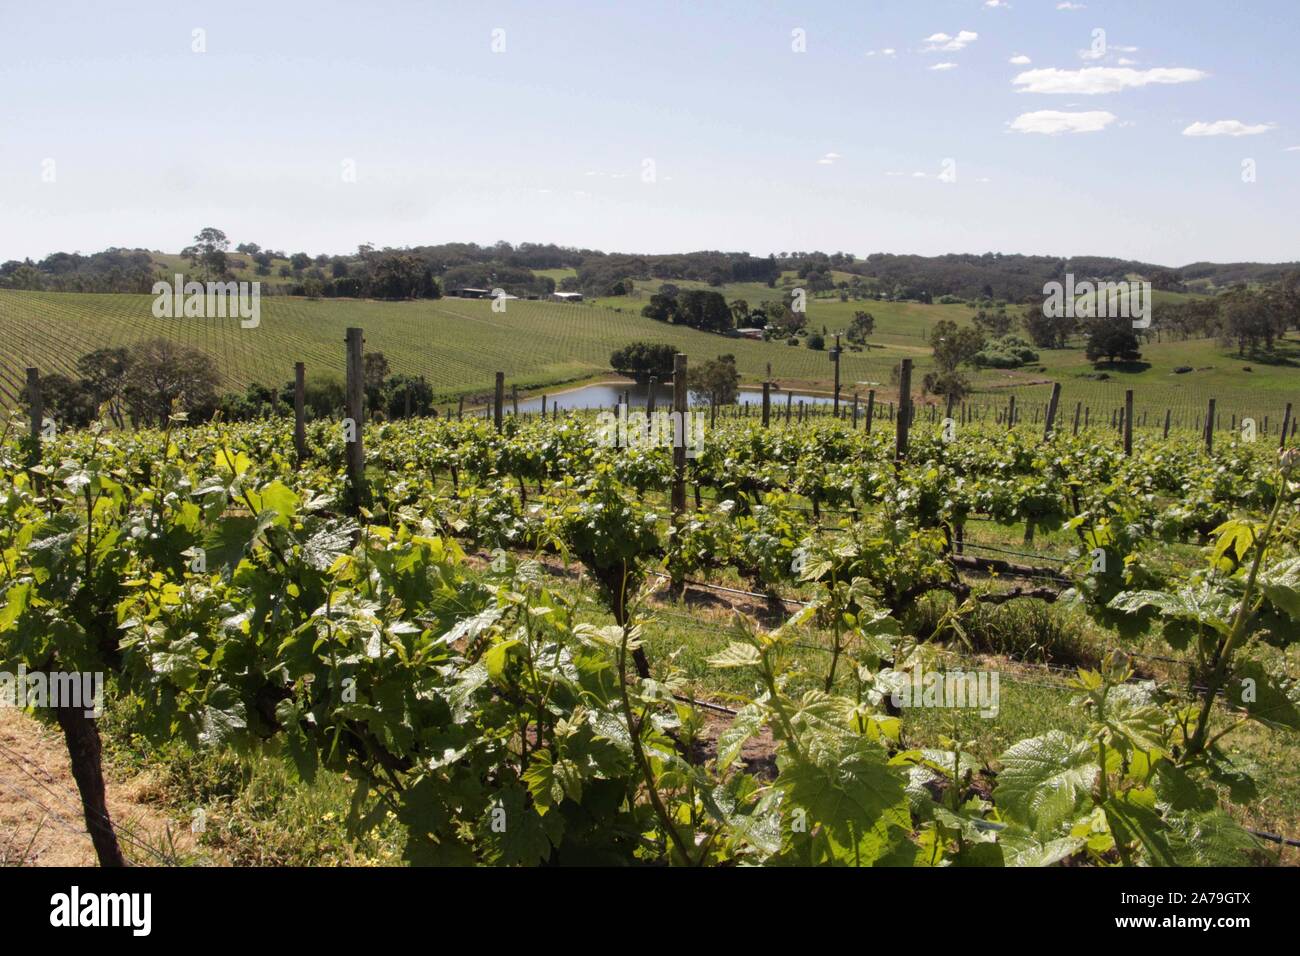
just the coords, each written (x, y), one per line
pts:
(1023, 554)
(703, 627)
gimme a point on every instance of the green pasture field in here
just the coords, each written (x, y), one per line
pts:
(458, 344)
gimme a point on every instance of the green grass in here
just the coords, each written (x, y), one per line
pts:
(457, 344)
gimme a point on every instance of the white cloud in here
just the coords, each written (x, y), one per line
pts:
(1067, 5)
(918, 175)
(1101, 79)
(944, 66)
(950, 44)
(1292, 149)
(1227, 128)
(1051, 122)
(887, 51)
(1020, 60)
(1125, 61)
(829, 159)
(996, 3)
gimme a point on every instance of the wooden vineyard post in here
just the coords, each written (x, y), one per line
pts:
(767, 403)
(855, 411)
(1209, 428)
(1011, 412)
(679, 443)
(35, 405)
(1169, 412)
(356, 407)
(514, 398)
(1078, 408)
(498, 399)
(543, 406)
(650, 397)
(835, 357)
(1128, 423)
(789, 406)
(300, 411)
(871, 409)
(1052, 404)
(36, 408)
(904, 407)
(1286, 423)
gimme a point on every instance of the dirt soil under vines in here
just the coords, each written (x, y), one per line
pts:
(41, 822)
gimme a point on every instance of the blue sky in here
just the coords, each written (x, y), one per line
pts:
(752, 144)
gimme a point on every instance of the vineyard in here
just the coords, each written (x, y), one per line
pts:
(544, 346)
(521, 645)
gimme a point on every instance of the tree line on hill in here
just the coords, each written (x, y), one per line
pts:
(426, 271)
(143, 384)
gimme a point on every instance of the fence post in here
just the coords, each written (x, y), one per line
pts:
(1286, 423)
(1128, 423)
(356, 409)
(1209, 428)
(835, 357)
(767, 403)
(300, 410)
(36, 406)
(855, 411)
(1169, 413)
(1052, 405)
(1011, 412)
(679, 443)
(904, 407)
(871, 409)
(514, 398)
(498, 399)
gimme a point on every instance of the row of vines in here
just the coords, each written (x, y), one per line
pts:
(237, 602)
